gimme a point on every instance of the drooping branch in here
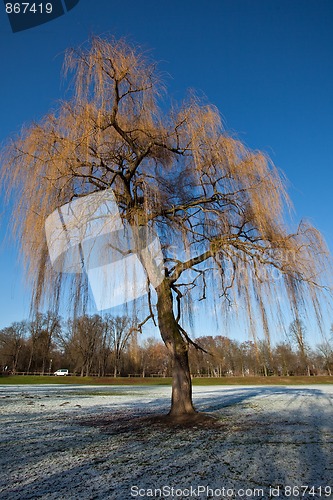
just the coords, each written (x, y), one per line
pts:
(189, 264)
(207, 196)
(197, 346)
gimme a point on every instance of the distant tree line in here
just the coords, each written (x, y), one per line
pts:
(292, 357)
(110, 346)
(87, 345)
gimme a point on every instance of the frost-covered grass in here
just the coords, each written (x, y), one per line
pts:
(70, 442)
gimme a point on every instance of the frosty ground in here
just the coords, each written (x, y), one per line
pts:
(80, 442)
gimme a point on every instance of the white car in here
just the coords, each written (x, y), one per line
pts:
(63, 372)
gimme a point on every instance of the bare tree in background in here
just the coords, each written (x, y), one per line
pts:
(121, 328)
(325, 351)
(35, 327)
(50, 330)
(87, 332)
(12, 340)
(297, 332)
(43, 329)
(216, 206)
(154, 358)
(286, 359)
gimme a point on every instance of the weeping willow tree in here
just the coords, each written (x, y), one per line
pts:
(216, 206)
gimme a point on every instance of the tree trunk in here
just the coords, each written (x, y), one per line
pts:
(181, 401)
(30, 360)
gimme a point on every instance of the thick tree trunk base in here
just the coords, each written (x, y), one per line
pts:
(183, 413)
(193, 420)
(181, 400)
(116, 424)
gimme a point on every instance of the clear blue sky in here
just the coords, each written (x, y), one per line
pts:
(266, 64)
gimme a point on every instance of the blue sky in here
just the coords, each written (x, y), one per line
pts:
(266, 64)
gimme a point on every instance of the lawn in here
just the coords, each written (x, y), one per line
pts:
(82, 443)
(36, 379)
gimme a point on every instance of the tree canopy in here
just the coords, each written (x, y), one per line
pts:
(217, 207)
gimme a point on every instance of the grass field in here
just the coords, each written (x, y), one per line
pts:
(85, 443)
(36, 379)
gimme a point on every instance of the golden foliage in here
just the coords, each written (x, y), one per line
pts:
(215, 204)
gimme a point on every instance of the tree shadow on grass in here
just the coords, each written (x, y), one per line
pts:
(249, 445)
